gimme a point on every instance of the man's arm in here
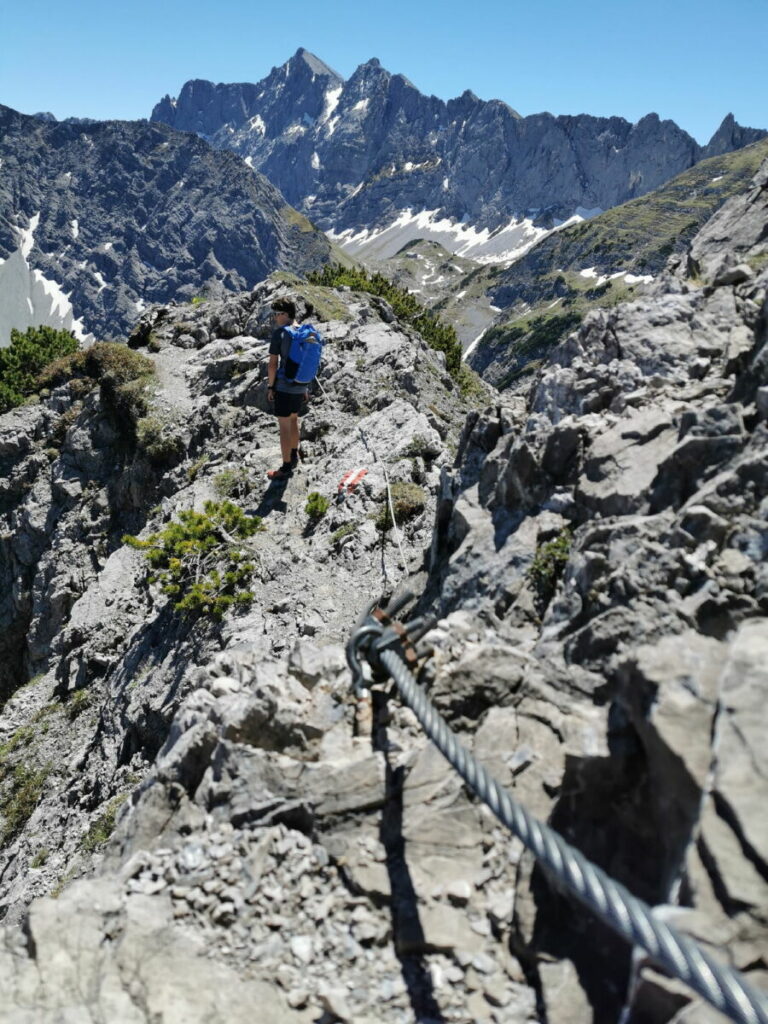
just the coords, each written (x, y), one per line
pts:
(272, 371)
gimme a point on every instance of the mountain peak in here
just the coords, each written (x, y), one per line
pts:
(730, 135)
(316, 66)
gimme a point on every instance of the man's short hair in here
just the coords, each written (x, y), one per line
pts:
(285, 306)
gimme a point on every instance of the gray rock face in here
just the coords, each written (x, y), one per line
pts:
(645, 434)
(353, 154)
(123, 214)
(595, 554)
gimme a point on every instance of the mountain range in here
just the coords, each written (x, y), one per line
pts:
(376, 163)
(99, 219)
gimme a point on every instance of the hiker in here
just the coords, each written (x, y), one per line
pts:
(288, 396)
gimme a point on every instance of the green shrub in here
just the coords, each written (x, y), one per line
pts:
(122, 374)
(344, 531)
(78, 703)
(157, 441)
(317, 505)
(106, 360)
(438, 335)
(547, 567)
(199, 561)
(23, 360)
(21, 738)
(103, 827)
(408, 500)
(195, 468)
(233, 483)
(40, 858)
(420, 447)
(21, 799)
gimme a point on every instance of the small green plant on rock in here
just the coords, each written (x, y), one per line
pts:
(408, 501)
(195, 468)
(158, 442)
(547, 567)
(19, 802)
(419, 447)
(103, 827)
(40, 858)
(317, 505)
(233, 483)
(344, 531)
(21, 738)
(78, 703)
(199, 561)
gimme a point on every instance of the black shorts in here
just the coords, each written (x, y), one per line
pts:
(287, 404)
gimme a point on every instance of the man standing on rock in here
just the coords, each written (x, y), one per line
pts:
(288, 397)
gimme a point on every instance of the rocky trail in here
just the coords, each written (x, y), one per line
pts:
(198, 820)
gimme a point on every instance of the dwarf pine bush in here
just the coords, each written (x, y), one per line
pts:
(317, 505)
(437, 334)
(27, 355)
(199, 562)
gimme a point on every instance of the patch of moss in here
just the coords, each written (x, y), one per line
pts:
(297, 220)
(79, 702)
(195, 468)
(21, 738)
(758, 262)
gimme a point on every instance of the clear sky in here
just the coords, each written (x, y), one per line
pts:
(689, 60)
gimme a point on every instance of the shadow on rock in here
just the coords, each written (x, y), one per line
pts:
(272, 500)
(410, 942)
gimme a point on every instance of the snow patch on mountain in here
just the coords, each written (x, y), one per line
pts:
(592, 274)
(331, 102)
(485, 246)
(28, 298)
(500, 245)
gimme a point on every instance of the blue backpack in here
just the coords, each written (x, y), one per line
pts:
(304, 355)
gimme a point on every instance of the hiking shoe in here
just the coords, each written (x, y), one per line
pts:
(284, 473)
(296, 456)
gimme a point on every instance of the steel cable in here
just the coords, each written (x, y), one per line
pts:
(721, 986)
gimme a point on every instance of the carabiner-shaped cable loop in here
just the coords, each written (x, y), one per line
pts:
(359, 642)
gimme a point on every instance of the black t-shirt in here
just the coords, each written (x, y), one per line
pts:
(280, 345)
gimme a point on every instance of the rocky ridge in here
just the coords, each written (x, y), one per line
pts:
(100, 219)
(545, 294)
(595, 551)
(356, 155)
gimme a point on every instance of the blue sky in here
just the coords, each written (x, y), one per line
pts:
(689, 61)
